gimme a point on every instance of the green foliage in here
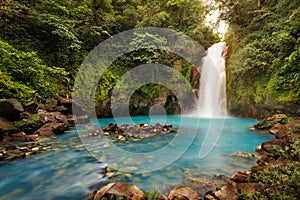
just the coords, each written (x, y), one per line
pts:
(279, 182)
(291, 152)
(152, 195)
(42, 43)
(25, 72)
(264, 51)
(22, 125)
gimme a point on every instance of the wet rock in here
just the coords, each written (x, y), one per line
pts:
(203, 185)
(279, 130)
(119, 190)
(268, 122)
(262, 160)
(19, 137)
(21, 151)
(268, 146)
(244, 155)
(112, 127)
(241, 177)
(259, 150)
(228, 192)
(183, 193)
(45, 130)
(59, 128)
(11, 109)
(137, 132)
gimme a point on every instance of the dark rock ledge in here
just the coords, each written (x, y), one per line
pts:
(22, 127)
(127, 132)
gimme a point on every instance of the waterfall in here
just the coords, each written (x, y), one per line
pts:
(212, 96)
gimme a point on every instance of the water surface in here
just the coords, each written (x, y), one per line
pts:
(69, 171)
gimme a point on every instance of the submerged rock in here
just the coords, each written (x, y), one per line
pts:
(243, 155)
(133, 133)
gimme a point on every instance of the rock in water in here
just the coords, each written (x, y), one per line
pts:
(183, 193)
(117, 190)
(267, 123)
(244, 155)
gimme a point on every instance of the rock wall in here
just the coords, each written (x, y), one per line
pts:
(250, 109)
(139, 105)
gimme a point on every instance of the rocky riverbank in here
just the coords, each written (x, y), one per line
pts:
(275, 154)
(242, 184)
(22, 127)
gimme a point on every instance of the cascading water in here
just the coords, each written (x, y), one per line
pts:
(212, 97)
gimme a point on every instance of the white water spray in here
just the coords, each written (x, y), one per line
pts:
(212, 97)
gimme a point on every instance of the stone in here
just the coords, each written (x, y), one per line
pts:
(259, 150)
(262, 160)
(24, 115)
(17, 137)
(45, 130)
(183, 193)
(11, 109)
(228, 192)
(279, 130)
(255, 169)
(112, 127)
(269, 145)
(268, 122)
(51, 105)
(241, 177)
(120, 189)
(35, 149)
(202, 185)
(243, 155)
(91, 196)
(5, 124)
(59, 128)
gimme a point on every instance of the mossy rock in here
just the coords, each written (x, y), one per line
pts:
(269, 122)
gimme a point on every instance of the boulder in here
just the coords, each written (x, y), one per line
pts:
(45, 130)
(183, 193)
(262, 160)
(5, 125)
(112, 127)
(11, 109)
(279, 130)
(268, 122)
(119, 189)
(243, 155)
(241, 177)
(228, 192)
(203, 185)
(59, 128)
(268, 146)
(293, 126)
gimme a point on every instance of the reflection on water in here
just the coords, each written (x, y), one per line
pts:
(69, 171)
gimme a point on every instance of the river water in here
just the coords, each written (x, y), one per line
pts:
(70, 171)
